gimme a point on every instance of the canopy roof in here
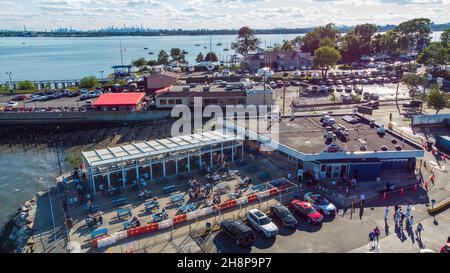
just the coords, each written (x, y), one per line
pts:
(145, 149)
(119, 99)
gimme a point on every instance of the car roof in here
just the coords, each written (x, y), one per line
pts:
(257, 213)
(301, 203)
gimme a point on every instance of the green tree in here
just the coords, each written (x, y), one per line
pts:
(435, 55)
(152, 63)
(25, 85)
(413, 82)
(199, 58)
(177, 55)
(140, 63)
(436, 99)
(163, 58)
(325, 58)
(89, 82)
(315, 39)
(211, 57)
(245, 42)
(417, 31)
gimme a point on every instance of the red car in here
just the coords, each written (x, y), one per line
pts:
(307, 211)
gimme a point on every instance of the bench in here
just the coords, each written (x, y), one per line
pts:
(127, 225)
(119, 202)
(187, 208)
(151, 205)
(123, 212)
(177, 199)
(95, 208)
(99, 232)
(169, 189)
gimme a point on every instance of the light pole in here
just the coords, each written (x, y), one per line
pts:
(101, 73)
(10, 82)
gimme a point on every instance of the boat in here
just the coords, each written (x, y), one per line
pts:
(226, 49)
(145, 48)
(205, 47)
(219, 44)
(197, 44)
(185, 52)
(150, 53)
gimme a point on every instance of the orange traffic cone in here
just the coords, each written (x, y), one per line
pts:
(385, 196)
(432, 178)
(426, 185)
(402, 191)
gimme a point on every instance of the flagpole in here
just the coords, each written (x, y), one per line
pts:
(121, 51)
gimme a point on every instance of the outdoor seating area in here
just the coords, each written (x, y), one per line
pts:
(178, 195)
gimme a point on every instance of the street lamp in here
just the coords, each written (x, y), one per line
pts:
(101, 73)
(10, 81)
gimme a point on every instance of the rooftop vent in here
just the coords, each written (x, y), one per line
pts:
(384, 148)
(398, 148)
(362, 145)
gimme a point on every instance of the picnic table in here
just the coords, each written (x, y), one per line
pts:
(187, 208)
(150, 206)
(99, 232)
(158, 217)
(169, 189)
(177, 199)
(124, 212)
(119, 202)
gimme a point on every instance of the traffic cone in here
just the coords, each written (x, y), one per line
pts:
(385, 196)
(432, 178)
(402, 191)
(426, 185)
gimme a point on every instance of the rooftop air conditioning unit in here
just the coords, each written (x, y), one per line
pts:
(362, 145)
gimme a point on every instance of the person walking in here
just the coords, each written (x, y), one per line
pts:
(397, 216)
(410, 222)
(386, 213)
(377, 233)
(402, 217)
(408, 211)
(419, 230)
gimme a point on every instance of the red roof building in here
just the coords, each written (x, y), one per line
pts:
(120, 101)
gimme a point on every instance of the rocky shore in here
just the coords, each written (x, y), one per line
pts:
(16, 235)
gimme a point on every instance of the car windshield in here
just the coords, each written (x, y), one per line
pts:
(310, 210)
(264, 221)
(283, 212)
(322, 201)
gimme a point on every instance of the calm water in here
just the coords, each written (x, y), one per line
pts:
(73, 58)
(22, 174)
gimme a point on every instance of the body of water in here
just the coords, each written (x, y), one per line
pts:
(22, 174)
(44, 58)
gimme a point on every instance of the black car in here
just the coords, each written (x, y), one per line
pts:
(413, 103)
(239, 231)
(284, 215)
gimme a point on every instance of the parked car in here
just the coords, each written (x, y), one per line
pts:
(306, 210)
(348, 89)
(279, 83)
(323, 88)
(12, 104)
(339, 88)
(239, 231)
(18, 98)
(320, 203)
(217, 82)
(84, 97)
(273, 85)
(413, 103)
(284, 215)
(261, 222)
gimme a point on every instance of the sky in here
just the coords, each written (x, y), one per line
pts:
(213, 14)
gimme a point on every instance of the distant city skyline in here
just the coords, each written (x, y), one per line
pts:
(39, 15)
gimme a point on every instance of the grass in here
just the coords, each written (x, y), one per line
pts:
(74, 158)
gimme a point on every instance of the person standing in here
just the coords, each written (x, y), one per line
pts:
(410, 222)
(419, 230)
(363, 198)
(386, 213)
(402, 217)
(408, 211)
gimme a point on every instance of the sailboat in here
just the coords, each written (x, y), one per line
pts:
(197, 44)
(219, 44)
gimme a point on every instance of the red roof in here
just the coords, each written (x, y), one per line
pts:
(119, 99)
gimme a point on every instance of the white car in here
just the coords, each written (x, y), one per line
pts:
(261, 222)
(320, 203)
(12, 104)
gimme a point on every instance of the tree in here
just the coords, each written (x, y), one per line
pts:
(25, 85)
(163, 58)
(325, 58)
(140, 63)
(89, 82)
(436, 99)
(315, 39)
(357, 42)
(413, 82)
(245, 42)
(177, 55)
(435, 55)
(417, 31)
(199, 58)
(152, 63)
(211, 57)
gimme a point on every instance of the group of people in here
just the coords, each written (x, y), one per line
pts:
(197, 191)
(399, 217)
(95, 219)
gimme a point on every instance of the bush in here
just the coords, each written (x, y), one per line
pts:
(89, 82)
(25, 85)
(74, 158)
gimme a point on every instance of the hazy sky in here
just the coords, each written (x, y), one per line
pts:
(213, 14)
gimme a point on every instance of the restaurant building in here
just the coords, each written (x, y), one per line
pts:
(350, 146)
(119, 101)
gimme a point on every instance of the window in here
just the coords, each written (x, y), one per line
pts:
(162, 102)
(178, 101)
(171, 101)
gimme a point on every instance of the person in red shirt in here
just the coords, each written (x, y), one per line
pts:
(446, 248)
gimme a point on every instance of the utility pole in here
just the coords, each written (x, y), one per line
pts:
(284, 94)
(101, 73)
(10, 82)
(121, 50)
